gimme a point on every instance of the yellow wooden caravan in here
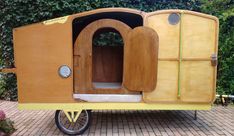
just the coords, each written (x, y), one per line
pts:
(168, 61)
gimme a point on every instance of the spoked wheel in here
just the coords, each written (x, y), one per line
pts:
(76, 127)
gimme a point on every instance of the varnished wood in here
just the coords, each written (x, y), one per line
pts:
(198, 37)
(140, 59)
(198, 41)
(197, 81)
(196, 59)
(40, 48)
(168, 35)
(169, 11)
(83, 51)
(167, 83)
(168, 59)
(39, 51)
(107, 64)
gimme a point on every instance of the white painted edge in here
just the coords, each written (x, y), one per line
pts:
(109, 97)
(107, 85)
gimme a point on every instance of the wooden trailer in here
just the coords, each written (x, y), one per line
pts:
(168, 61)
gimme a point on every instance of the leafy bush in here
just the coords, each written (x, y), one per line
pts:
(224, 10)
(6, 125)
(108, 39)
(8, 87)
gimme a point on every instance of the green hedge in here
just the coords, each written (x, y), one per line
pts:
(16, 13)
(224, 10)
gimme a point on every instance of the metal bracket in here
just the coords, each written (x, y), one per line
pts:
(214, 60)
(195, 115)
(72, 115)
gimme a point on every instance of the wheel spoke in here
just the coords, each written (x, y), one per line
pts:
(73, 127)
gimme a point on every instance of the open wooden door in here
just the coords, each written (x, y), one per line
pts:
(40, 50)
(140, 60)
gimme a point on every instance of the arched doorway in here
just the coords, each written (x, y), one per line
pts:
(107, 59)
(84, 59)
(139, 65)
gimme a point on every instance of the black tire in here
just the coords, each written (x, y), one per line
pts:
(85, 113)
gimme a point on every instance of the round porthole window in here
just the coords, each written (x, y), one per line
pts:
(64, 71)
(173, 18)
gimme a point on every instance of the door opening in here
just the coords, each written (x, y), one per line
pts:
(107, 59)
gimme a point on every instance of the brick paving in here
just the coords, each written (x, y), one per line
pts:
(218, 121)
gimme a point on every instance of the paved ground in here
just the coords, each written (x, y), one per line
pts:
(218, 121)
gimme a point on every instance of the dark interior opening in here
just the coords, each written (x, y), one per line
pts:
(131, 19)
(107, 58)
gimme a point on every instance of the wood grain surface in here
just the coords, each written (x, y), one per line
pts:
(185, 73)
(107, 65)
(83, 56)
(41, 48)
(39, 52)
(140, 59)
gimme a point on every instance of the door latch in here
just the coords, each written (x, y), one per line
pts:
(214, 60)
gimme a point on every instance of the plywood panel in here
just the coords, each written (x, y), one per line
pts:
(198, 36)
(83, 56)
(197, 81)
(39, 51)
(167, 83)
(199, 42)
(141, 59)
(107, 64)
(168, 35)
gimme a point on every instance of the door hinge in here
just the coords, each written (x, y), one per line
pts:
(214, 60)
